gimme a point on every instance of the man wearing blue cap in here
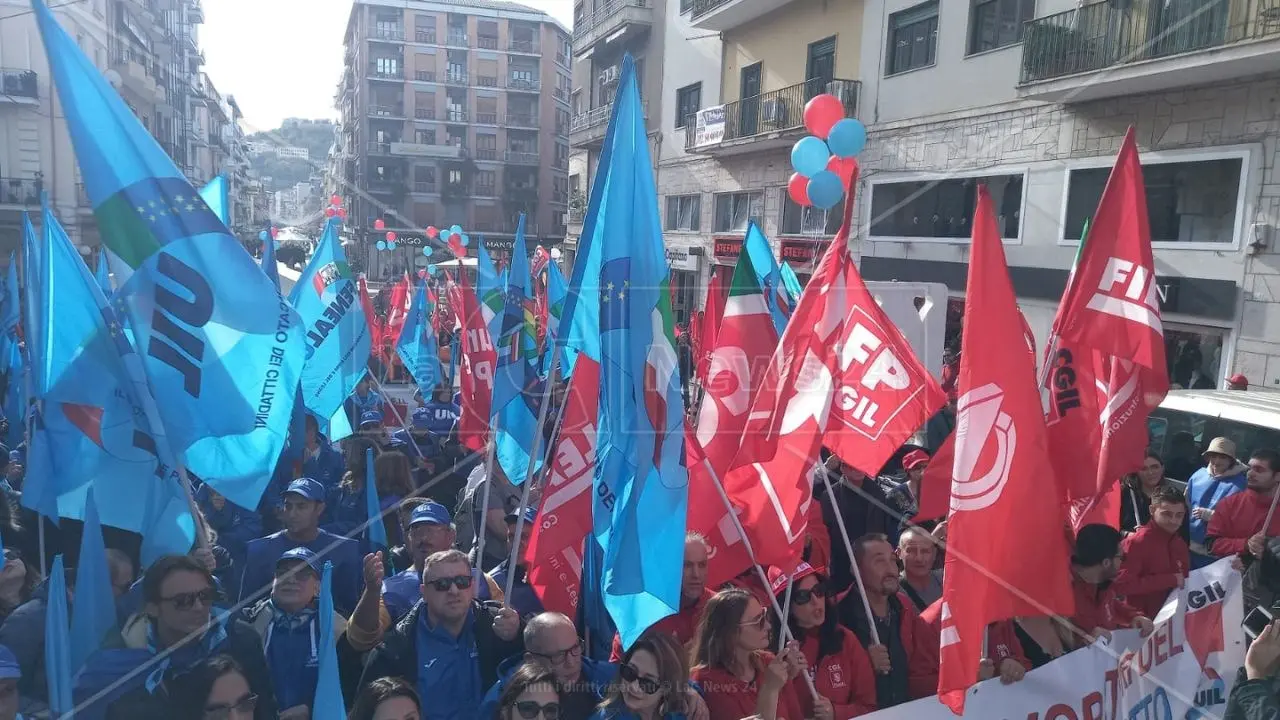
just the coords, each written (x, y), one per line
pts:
(363, 400)
(430, 531)
(10, 673)
(320, 461)
(303, 506)
(523, 599)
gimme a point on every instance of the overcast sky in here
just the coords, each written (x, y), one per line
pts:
(283, 58)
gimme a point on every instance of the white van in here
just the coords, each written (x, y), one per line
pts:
(1187, 420)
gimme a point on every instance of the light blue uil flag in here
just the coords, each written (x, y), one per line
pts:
(417, 346)
(217, 195)
(222, 353)
(337, 334)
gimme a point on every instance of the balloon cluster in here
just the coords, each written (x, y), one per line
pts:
(271, 234)
(824, 162)
(453, 236)
(335, 208)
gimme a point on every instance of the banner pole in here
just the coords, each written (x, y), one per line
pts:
(786, 608)
(399, 418)
(528, 474)
(848, 546)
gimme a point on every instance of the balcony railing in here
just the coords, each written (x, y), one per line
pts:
(561, 94)
(524, 85)
(424, 114)
(486, 154)
(1101, 35)
(456, 116)
(386, 74)
(485, 118)
(487, 43)
(490, 81)
(427, 37)
(576, 216)
(18, 83)
(522, 158)
(381, 148)
(386, 111)
(424, 186)
(562, 59)
(456, 78)
(776, 110)
(523, 46)
(384, 33)
(702, 7)
(458, 40)
(425, 75)
(20, 191)
(598, 116)
(522, 120)
(487, 191)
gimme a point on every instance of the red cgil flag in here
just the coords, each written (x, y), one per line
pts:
(713, 311)
(366, 304)
(842, 376)
(478, 361)
(1109, 370)
(998, 477)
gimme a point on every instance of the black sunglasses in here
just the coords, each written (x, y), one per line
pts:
(186, 601)
(244, 706)
(803, 597)
(629, 673)
(529, 710)
(462, 582)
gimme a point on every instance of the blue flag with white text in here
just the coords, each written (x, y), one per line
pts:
(417, 346)
(222, 354)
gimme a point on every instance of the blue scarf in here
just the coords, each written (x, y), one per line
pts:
(187, 655)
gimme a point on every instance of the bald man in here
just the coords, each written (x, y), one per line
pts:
(552, 638)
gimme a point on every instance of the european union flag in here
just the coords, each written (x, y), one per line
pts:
(222, 352)
(517, 389)
(337, 334)
(642, 484)
(32, 323)
(417, 344)
(217, 196)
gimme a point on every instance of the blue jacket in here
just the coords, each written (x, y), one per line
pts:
(523, 599)
(595, 674)
(1206, 491)
(346, 512)
(327, 467)
(291, 648)
(348, 566)
(235, 525)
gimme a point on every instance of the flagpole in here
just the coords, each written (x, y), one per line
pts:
(848, 546)
(400, 418)
(785, 630)
(786, 608)
(27, 420)
(528, 474)
(491, 452)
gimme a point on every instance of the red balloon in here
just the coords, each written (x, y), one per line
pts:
(391, 237)
(844, 168)
(432, 232)
(821, 113)
(342, 213)
(378, 224)
(798, 189)
(336, 200)
(329, 212)
(274, 232)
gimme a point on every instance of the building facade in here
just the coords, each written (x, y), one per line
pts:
(453, 113)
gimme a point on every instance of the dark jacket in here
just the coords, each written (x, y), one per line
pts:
(112, 670)
(235, 525)
(861, 516)
(524, 599)
(23, 633)
(1253, 699)
(397, 655)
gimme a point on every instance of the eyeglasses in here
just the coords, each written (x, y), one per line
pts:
(629, 673)
(760, 621)
(803, 597)
(244, 706)
(529, 710)
(559, 657)
(462, 582)
(186, 601)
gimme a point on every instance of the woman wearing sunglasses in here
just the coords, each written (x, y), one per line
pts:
(737, 676)
(834, 658)
(387, 698)
(531, 693)
(653, 684)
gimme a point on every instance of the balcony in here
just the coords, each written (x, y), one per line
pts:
(522, 120)
(20, 192)
(524, 85)
(721, 15)
(389, 34)
(488, 154)
(528, 47)
(19, 86)
(134, 76)
(516, 157)
(376, 74)
(195, 11)
(426, 37)
(561, 94)
(456, 78)
(379, 148)
(386, 111)
(486, 118)
(385, 187)
(1100, 51)
(520, 194)
(455, 116)
(485, 191)
(425, 187)
(487, 43)
(424, 114)
(588, 128)
(487, 81)
(425, 75)
(766, 121)
(455, 191)
(457, 40)
(615, 22)
(410, 149)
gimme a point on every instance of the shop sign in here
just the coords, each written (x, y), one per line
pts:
(728, 248)
(801, 252)
(679, 258)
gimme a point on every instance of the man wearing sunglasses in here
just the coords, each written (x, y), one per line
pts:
(523, 598)
(430, 530)
(552, 638)
(449, 645)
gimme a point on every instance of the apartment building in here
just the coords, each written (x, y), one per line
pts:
(453, 113)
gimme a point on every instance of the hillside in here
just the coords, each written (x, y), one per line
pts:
(315, 135)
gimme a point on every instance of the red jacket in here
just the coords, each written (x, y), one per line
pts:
(846, 678)
(1155, 563)
(681, 626)
(1002, 638)
(728, 698)
(1237, 518)
(1100, 607)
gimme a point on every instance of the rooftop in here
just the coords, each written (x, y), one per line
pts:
(496, 8)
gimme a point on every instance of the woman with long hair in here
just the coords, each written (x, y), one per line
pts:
(18, 580)
(738, 676)
(834, 658)
(388, 698)
(653, 684)
(531, 693)
(215, 687)
(1137, 491)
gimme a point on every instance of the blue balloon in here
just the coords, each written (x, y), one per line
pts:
(427, 251)
(466, 240)
(263, 236)
(382, 244)
(391, 245)
(445, 234)
(809, 156)
(825, 190)
(847, 138)
(432, 269)
(455, 229)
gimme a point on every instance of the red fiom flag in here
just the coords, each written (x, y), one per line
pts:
(478, 361)
(998, 478)
(554, 555)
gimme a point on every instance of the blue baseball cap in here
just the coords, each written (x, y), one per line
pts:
(530, 515)
(421, 418)
(370, 417)
(307, 488)
(9, 668)
(301, 554)
(430, 512)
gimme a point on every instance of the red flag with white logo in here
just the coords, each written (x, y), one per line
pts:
(998, 478)
(727, 555)
(843, 376)
(478, 361)
(554, 555)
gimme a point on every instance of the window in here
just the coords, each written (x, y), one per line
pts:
(485, 179)
(388, 66)
(686, 6)
(684, 212)
(997, 23)
(1187, 202)
(454, 177)
(913, 38)
(812, 221)
(425, 137)
(943, 209)
(735, 210)
(688, 103)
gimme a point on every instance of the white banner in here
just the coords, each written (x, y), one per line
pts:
(709, 126)
(1182, 671)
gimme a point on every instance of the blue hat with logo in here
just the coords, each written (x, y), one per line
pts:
(307, 488)
(9, 668)
(530, 515)
(370, 417)
(301, 554)
(430, 512)
(421, 418)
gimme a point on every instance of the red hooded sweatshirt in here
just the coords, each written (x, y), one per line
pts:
(1155, 563)
(846, 678)
(728, 698)
(1100, 607)
(1002, 638)
(1237, 518)
(681, 626)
